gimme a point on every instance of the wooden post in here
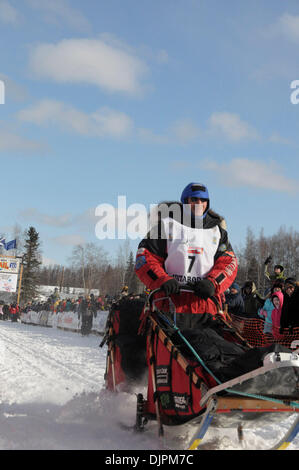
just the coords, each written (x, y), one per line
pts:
(20, 284)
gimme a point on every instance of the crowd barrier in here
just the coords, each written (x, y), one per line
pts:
(252, 329)
(64, 320)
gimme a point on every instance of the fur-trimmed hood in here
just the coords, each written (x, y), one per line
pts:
(174, 209)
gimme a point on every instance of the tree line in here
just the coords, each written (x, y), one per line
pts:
(90, 267)
(283, 247)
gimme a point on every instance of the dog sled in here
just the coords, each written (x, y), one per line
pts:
(208, 377)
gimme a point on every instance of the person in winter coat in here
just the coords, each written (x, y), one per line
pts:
(6, 312)
(234, 300)
(266, 310)
(278, 273)
(290, 308)
(124, 292)
(86, 316)
(252, 299)
(14, 312)
(188, 244)
(48, 304)
(93, 305)
(68, 305)
(277, 299)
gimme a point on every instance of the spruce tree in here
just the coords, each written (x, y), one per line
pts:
(31, 265)
(130, 276)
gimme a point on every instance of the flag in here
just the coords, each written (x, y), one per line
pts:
(2, 242)
(10, 245)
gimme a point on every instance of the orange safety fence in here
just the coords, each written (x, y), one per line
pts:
(252, 329)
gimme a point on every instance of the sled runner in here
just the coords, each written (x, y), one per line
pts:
(210, 376)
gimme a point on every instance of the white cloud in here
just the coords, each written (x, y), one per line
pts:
(94, 61)
(186, 130)
(278, 139)
(150, 136)
(69, 240)
(12, 142)
(162, 56)
(255, 174)
(86, 220)
(31, 214)
(82, 222)
(49, 261)
(105, 122)
(223, 125)
(8, 14)
(230, 126)
(288, 26)
(12, 89)
(56, 11)
(183, 131)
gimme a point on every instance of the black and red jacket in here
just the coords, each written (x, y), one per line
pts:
(14, 309)
(152, 256)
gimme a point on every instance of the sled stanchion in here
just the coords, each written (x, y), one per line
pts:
(110, 352)
(140, 419)
(112, 367)
(204, 424)
(153, 374)
(240, 433)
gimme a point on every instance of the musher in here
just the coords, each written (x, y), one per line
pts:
(188, 245)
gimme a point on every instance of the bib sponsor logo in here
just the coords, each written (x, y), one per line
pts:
(186, 279)
(181, 402)
(195, 251)
(163, 376)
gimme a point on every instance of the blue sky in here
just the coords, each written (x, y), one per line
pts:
(140, 98)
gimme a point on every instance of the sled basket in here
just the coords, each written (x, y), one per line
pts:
(181, 386)
(126, 351)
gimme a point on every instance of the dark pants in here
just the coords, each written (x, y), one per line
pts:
(86, 324)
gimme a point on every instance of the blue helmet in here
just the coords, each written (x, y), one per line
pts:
(194, 190)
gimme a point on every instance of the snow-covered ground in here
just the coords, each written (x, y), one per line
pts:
(52, 397)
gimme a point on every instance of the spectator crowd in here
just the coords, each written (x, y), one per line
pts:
(56, 305)
(9, 311)
(278, 306)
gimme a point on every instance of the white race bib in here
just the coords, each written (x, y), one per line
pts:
(190, 251)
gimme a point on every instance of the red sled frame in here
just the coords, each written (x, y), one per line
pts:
(209, 404)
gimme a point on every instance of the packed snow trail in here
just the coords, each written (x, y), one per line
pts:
(52, 398)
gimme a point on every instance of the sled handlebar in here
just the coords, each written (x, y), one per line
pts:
(151, 294)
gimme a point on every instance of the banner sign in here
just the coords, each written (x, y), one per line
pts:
(9, 265)
(8, 282)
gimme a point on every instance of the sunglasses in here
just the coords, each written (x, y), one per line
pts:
(196, 199)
